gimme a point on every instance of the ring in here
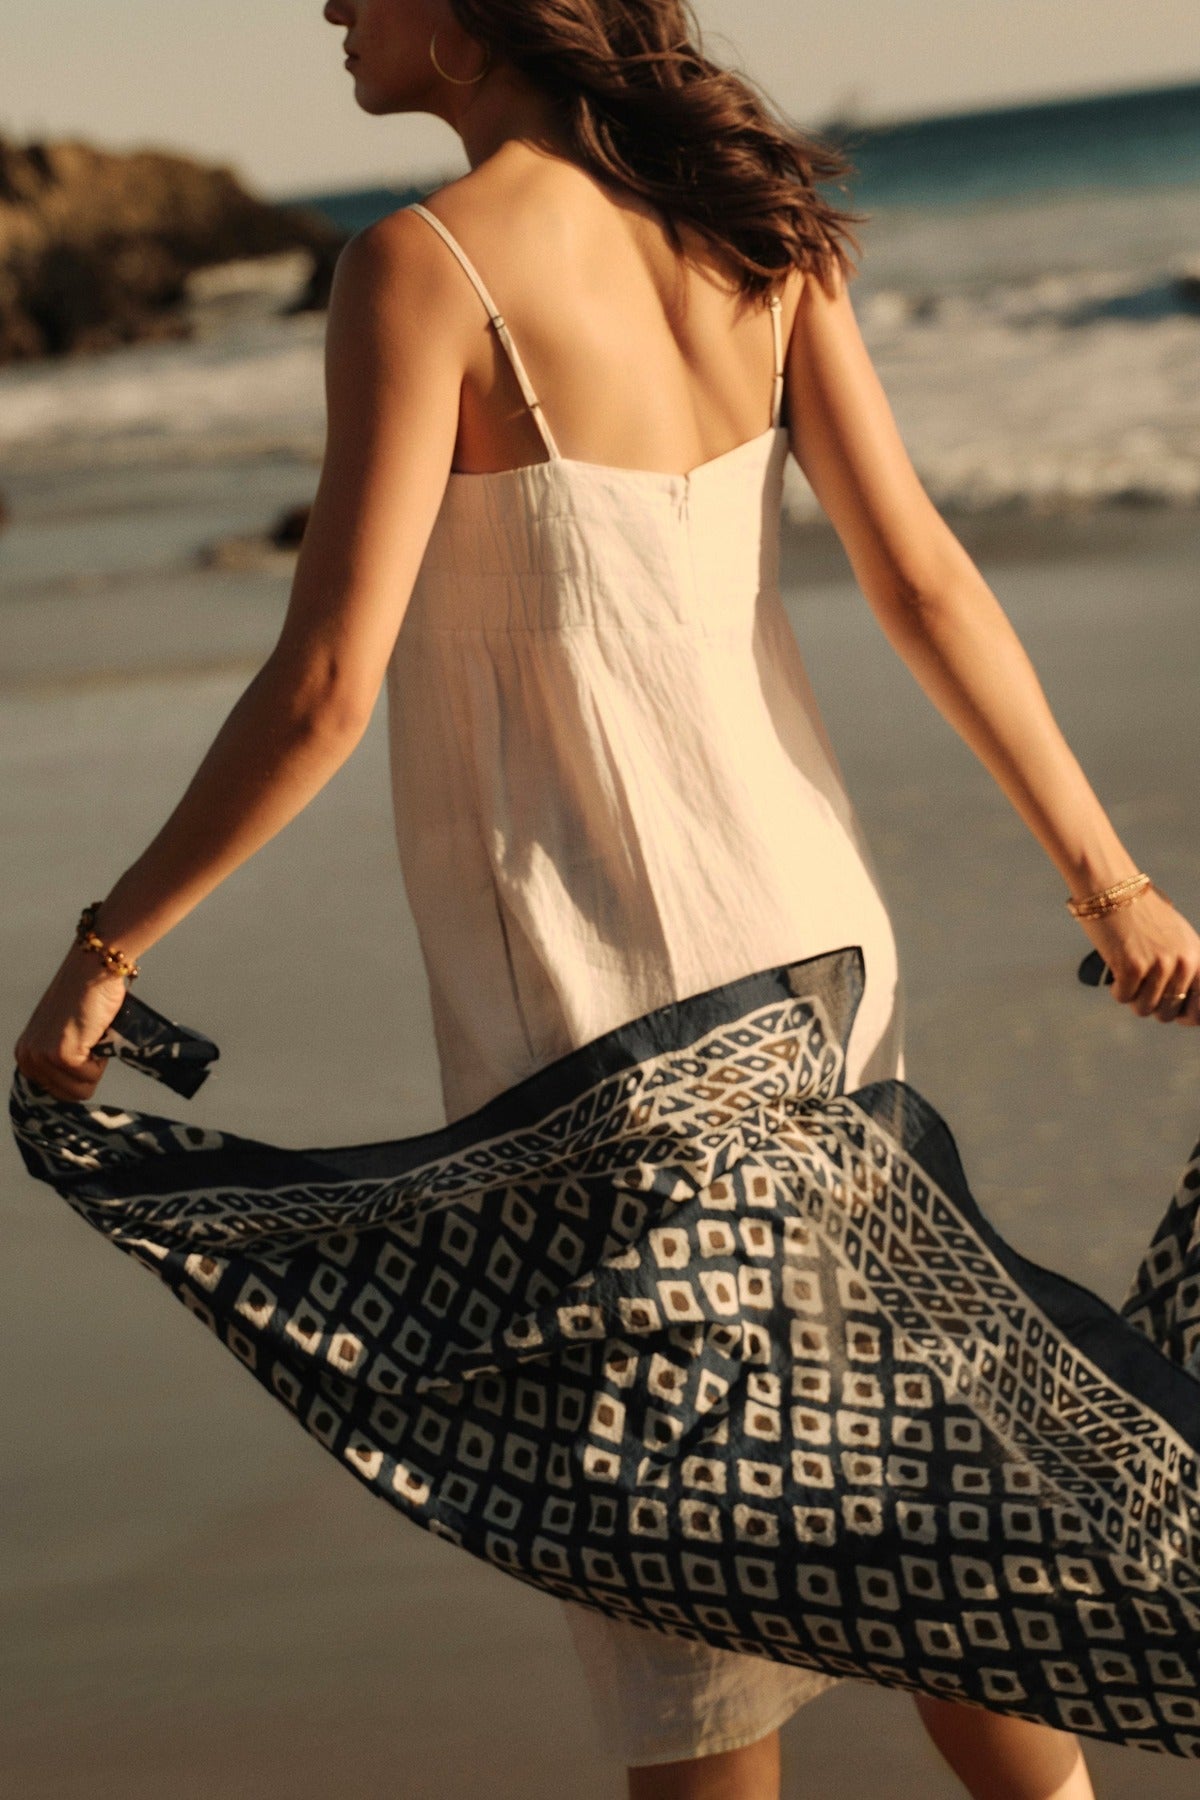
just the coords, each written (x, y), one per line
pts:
(1186, 992)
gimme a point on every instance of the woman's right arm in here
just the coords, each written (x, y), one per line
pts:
(395, 339)
(397, 335)
(944, 621)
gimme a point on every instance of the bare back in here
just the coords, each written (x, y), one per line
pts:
(642, 359)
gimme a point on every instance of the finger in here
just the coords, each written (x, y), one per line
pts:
(74, 1063)
(1131, 985)
(80, 1080)
(1176, 996)
(1169, 1007)
(56, 1091)
(1135, 991)
(62, 1082)
(1153, 997)
(1189, 1013)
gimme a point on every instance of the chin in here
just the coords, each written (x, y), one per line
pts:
(367, 99)
(371, 100)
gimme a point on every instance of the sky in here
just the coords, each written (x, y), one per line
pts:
(259, 85)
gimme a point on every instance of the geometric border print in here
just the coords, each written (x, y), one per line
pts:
(681, 1331)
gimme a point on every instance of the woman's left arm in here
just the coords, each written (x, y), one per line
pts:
(944, 621)
(392, 385)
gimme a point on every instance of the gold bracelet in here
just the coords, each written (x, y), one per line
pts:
(1106, 900)
(86, 938)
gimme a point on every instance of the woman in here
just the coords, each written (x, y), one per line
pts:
(627, 200)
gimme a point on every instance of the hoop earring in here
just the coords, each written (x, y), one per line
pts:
(458, 79)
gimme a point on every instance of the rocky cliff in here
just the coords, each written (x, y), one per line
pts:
(96, 245)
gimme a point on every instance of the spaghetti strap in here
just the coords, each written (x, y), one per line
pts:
(777, 389)
(502, 331)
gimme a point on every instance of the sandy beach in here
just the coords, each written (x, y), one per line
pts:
(194, 1598)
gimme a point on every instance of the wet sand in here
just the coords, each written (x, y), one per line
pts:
(194, 1598)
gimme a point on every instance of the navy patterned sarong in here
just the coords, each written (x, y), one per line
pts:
(679, 1329)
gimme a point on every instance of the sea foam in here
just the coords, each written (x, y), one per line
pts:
(1070, 378)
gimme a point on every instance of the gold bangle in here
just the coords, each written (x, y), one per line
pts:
(1108, 899)
(87, 939)
(1098, 911)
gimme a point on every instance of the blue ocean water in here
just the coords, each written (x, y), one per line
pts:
(1117, 142)
(1028, 292)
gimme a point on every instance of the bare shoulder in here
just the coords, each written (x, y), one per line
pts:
(822, 316)
(813, 295)
(398, 278)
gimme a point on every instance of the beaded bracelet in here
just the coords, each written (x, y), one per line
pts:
(1094, 906)
(86, 938)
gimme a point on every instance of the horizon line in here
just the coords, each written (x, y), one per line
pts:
(860, 120)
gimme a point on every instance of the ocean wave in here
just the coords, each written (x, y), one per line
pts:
(259, 384)
(1068, 390)
(1058, 389)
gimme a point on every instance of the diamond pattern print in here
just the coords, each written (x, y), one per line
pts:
(680, 1330)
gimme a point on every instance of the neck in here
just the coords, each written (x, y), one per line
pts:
(504, 108)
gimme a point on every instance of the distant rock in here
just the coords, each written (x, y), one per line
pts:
(1186, 278)
(96, 246)
(288, 530)
(269, 552)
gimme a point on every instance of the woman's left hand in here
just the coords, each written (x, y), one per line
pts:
(1154, 953)
(54, 1050)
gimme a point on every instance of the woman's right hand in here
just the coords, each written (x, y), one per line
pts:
(1153, 953)
(55, 1048)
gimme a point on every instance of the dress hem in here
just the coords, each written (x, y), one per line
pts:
(735, 1740)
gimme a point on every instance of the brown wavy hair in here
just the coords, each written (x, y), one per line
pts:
(645, 108)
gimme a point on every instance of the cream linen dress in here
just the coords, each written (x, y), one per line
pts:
(613, 788)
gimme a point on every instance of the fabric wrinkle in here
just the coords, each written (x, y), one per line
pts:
(659, 809)
(687, 1316)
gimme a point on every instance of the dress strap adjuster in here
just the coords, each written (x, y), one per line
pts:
(498, 321)
(777, 385)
